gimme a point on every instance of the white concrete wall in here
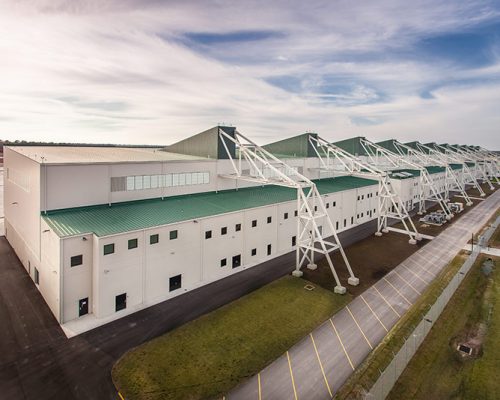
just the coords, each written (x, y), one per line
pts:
(49, 269)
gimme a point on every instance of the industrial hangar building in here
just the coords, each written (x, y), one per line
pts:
(106, 231)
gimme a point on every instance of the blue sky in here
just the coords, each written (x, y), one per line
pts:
(130, 71)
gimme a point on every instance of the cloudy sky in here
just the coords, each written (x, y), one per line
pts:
(153, 72)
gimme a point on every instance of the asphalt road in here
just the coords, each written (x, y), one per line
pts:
(317, 366)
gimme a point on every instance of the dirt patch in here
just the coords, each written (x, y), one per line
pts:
(373, 257)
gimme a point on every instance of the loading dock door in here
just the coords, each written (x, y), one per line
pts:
(83, 306)
(121, 302)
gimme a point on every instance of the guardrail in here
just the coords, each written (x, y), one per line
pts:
(390, 375)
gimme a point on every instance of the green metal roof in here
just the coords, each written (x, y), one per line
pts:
(435, 169)
(456, 166)
(297, 146)
(104, 220)
(470, 164)
(404, 173)
(391, 146)
(352, 146)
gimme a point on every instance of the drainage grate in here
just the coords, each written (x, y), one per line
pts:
(309, 287)
(464, 349)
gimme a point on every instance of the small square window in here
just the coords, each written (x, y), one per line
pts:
(254, 252)
(173, 235)
(109, 248)
(208, 234)
(153, 239)
(132, 244)
(237, 228)
(254, 223)
(295, 213)
(223, 262)
(175, 282)
(294, 241)
(327, 205)
(334, 203)
(358, 198)
(223, 230)
(76, 260)
(269, 220)
(363, 197)
(352, 220)
(285, 216)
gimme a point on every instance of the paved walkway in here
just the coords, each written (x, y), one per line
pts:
(317, 366)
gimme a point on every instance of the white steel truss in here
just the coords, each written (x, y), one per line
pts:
(453, 182)
(469, 178)
(379, 155)
(311, 210)
(390, 205)
(485, 161)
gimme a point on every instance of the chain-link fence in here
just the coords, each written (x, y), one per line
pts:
(390, 375)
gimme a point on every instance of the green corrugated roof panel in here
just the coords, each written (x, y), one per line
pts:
(404, 173)
(456, 166)
(104, 220)
(390, 145)
(297, 146)
(206, 144)
(433, 145)
(415, 145)
(352, 146)
(434, 169)
(470, 164)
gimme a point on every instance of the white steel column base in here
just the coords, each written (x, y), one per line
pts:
(385, 230)
(420, 213)
(339, 290)
(353, 281)
(469, 203)
(312, 267)
(412, 241)
(297, 273)
(448, 217)
(419, 237)
(378, 233)
(483, 194)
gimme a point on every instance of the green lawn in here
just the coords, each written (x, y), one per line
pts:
(212, 354)
(495, 239)
(436, 372)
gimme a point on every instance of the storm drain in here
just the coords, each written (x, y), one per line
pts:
(464, 349)
(309, 287)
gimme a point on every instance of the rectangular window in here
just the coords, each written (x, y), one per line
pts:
(269, 249)
(130, 183)
(188, 178)
(237, 261)
(254, 252)
(223, 262)
(76, 260)
(138, 182)
(315, 208)
(173, 234)
(337, 225)
(327, 205)
(352, 220)
(208, 234)
(358, 198)
(154, 181)
(146, 182)
(254, 223)
(294, 241)
(182, 179)
(362, 197)
(194, 178)
(269, 220)
(175, 179)
(175, 282)
(168, 180)
(285, 215)
(153, 239)
(121, 302)
(132, 244)
(83, 306)
(37, 276)
(237, 227)
(334, 203)
(345, 222)
(223, 230)
(295, 213)
(109, 249)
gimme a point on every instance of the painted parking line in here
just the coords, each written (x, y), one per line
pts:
(259, 386)
(342, 344)
(374, 313)
(397, 291)
(321, 366)
(361, 330)
(120, 396)
(408, 283)
(291, 375)
(414, 274)
(385, 300)
(410, 261)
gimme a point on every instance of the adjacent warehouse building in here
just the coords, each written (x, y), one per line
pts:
(107, 231)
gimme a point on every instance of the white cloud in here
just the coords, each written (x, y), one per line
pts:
(116, 71)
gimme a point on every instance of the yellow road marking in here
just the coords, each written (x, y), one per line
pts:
(291, 374)
(408, 283)
(389, 304)
(260, 387)
(121, 397)
(321, 366)
(361, 330)
(416, 275)
(401, 294)
(415, 264)
(373, 312)
(342, 344)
